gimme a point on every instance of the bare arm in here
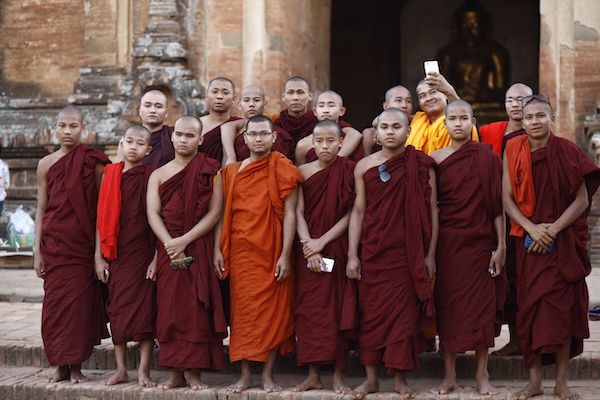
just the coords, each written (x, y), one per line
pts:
(574, 211)
(283, 267)
(439, 82)
(353, 268)
(435, 226)
(302, 148)
(228, 134)
(42, 200)
(368, 140)
(499, 255)
(218, 260)
(154, 206)
(352, 139)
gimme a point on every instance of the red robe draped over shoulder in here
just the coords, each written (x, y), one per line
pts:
(211, 143)
(162, 148)
(552, 293)
(325, 303)
(494, 133)
(283, 144)
(395, 299)
(261, 307)
(191, 322)
(131, 305)
(73, 318)
(469, 199)
(298, 127)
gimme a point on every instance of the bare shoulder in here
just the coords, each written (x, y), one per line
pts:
(48, 161)
(367, 163)
(164, 173)
(309, 169)
(441, 154)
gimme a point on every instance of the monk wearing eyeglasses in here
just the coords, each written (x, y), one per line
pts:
(392, 240)
(183, 205)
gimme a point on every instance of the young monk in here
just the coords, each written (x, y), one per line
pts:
(330, 106)
(323, 212)
(471, 247)
(220, 96)
(547, 186)
(258, 229)
(73, 318)
(252, 102)
(125, 239)
(183, 208)
(394, 220)
(428, 133)
(153, 111)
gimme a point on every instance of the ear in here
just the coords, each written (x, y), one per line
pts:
(310, 96)
(474, 121)
(167, 113)
(385, 105)
(149, 150)
(342, 111)
(274, 136)
(84, 125)
(245, 139)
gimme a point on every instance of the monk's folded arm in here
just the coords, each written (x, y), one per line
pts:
(212, 216)
(352, 139)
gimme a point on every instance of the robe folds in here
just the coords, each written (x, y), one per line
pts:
(252, 240)
(552, 293)
(298, 127)
(325, 304)
(162, 148)
(394, 295)
(356, 155)
(283, 144)
(469, 199)
(429, 137)
(131, 305)
(73, 318)
(211, 143)
(191, 322)
(494, 133)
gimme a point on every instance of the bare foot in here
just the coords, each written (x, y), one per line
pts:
(565, 393)
(511, 349)
(144, 380)
(447, 386)
(61, 374)
(401, 386)
(309, 383)
(197, 384)
(530, 390)
(484, 387)
(118, 377)
(176, 380)
(340, 387)
(270, 386)
(241, 385)
(365, 388)
(77, 376)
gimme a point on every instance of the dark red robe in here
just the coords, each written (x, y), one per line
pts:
(191, 322)
(211, 143)
(469, 199)
(298, 127)
(73, 318)
(356, 155)
(552, 293)
(326, 302)
(162, 148)
(394, 294)
(283, 144)
(131, 305)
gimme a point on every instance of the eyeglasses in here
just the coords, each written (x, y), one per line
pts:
(511, 100)
(540, 97)
(176, 264)
(383, 175)
(253, 135)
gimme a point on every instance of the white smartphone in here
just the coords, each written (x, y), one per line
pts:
(328, 264)
(432, 66)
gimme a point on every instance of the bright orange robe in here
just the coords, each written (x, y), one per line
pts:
(429, 137)
(252, 240)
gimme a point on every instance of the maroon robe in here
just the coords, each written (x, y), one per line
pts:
(211, 143)
(552, 293)
(394, 295)
(73, 318)
(322, 336)
(298, 127)
(162, 148)
(283, 144)
(356, 155)
(191, 322)
(131, 305)
(469, 199)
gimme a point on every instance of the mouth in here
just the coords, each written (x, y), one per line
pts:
(218, 104)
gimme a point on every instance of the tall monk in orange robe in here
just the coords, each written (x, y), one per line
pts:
(183, 207)
(73, 318)
(548, 184)
(258, 229)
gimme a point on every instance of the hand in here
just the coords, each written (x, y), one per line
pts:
(218, 263)
(542, 236)
(38, 265)
(353, 268)
(151, 271)
(439, 82)
(497, 261)
(311, 247)
(431, 266)
(101, 268)
(180, 257)
(316, 263)
(282, 269)
(176, 246)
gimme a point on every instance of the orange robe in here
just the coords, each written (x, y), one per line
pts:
(252, 240)
(429, 137)
(494, 134)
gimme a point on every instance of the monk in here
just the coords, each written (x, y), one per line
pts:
(397, 97)
(547, 186)
(252, 102)
(471, 247)
(73, 318)
(126, 252)
(258, 229)
(153, 111)
(220, 96)
(183, 207)
(428, 133)
(323, 212)
(330, 106)
(394, 221)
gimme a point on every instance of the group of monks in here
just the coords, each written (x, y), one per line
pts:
(327, 238)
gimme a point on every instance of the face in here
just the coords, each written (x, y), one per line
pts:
(252, 103)
(327, 143)
(459, 122)
(296, 96)
(537, 120)
(135, 145)
(400, 98)
(220, 96)
(431, 101)
(260, 137)
(68, 129)
(329, 107)
(153, 110)
(392, 130)
(186, 138)
(470, 29)
(513, 101)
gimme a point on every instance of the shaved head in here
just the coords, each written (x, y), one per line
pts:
(71, 110)
(338, 98)
(459, 103)
(252, 88)
(190, 118)
(390, 92)
(223, 79)
(396, 111)
(520, 87)
(297, 79)
(158, 93)
(327, 123)
(141, 129)
(536, 101)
